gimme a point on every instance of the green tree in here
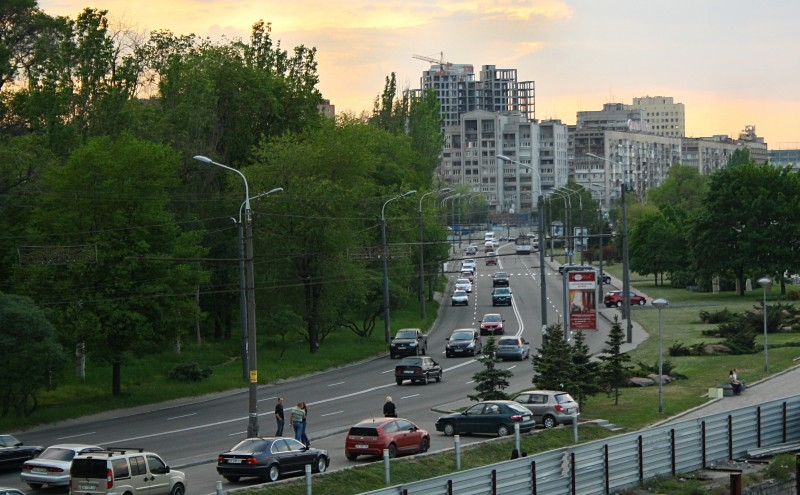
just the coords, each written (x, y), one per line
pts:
(32, 358)
(491, 381)
(585, 371)
(549, 371)
(684, 188)
(614, 370)
(653, 243)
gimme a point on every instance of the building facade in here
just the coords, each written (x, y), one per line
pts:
(663, 116)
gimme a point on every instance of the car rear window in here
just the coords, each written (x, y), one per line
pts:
(57, 454)
(363, 431)
(410, 362)
(88, 468)
(507, 342)
(562, 398)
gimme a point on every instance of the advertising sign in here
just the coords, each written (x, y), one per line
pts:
(582, 290)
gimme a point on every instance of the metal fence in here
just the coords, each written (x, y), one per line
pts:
(603, 466)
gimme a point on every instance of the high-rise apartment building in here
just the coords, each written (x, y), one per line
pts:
(663, 115)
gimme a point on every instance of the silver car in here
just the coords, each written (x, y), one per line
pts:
(460, 297)
(51, 467)
(512, 348)
(464, 284)
(550, 408)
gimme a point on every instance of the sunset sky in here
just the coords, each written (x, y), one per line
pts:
(730, 62)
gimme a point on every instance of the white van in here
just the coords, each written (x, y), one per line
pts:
(489, 236)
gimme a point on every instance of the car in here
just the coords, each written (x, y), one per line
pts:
(550, 408)
(491, 258)
(420, 369)
(492, 324)
(512, 348)
(372, 436)
(605, 279)
(270, 458)
(616, 298)
(460, 297)
(503, 238)
(500, 279)
(463, 284)
(408, 342)
(14, 453)
(10, 491)
(496, 417)
(51, 467)
(468, 274)
(471, 250)
(501, 295)
(571, 268)
(469, 266)
(120, 471)
(463, 342)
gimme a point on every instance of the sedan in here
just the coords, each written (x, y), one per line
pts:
(270, 458)
(374, 435)
(51, 467)
(512, 348)
(421, 369)
(14, 453)
(617, 298)
(463, 342)
(500, 279)
(496, 417)
(460, 297)
(464, 284)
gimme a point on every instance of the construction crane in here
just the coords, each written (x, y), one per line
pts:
(441, 61)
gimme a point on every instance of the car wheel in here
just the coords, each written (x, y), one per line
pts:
(399, 381)
(178, 489)
(424, 445)
(619, 304)
(35, 486)
(322, 464)
(641, 302)
(232, 479)
(425, 380)
(503, 431)
(392, 451)
(439, 377)
(549, 422)
(274, 473)
(449, 429)
(417, 351)
(351, 456)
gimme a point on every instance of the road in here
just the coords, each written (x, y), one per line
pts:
(190, 433)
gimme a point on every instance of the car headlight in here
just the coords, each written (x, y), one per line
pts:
(471, 344)
(412, 344)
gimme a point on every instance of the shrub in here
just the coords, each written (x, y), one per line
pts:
(781, 467)
(189, 372)
(722, 316)
(678, 349)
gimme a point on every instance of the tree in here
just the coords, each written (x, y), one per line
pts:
(549, 370)
(491, 381)
(614, 371)
(32, 357)
(684, 188)
(654, 246)
(585, 371)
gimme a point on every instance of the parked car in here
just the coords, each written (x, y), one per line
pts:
(492, 324)
(491, 258)
(463, 342)
(270, 458)
(10, 491)
(501, 295)
(397, 435)
(574, 268)
(14, 453)
(616, 298)
(408, 342)
(460, 297)
(51, 467)
(550, 408)
(500, 279)
(117, 471)
(421, 369)
(512, 348)
(463, 284)
(494, 417)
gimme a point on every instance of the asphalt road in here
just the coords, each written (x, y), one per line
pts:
(190, 433)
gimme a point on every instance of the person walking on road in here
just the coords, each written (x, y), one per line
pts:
(279, 417)
(298, 418)
(389, 409)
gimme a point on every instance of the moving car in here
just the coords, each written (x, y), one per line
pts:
(512, 348)
(468, 274)
(605, 278)
(468, 264)
(14, 453)
(460, 297)
(421, 369)
(492, 324)
(463, 342)
(463, 284)
(117, 471)
(491, 258)
(408, 342)
(495, 417)
(397, 435)
(471, 250)
(616, 298)
(501, 295)
(51, 467)
(270, 458)
(500, 279)
(549, 407)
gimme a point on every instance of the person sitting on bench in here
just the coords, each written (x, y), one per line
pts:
(736, 385)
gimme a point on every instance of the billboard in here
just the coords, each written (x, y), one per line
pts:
(582, 293)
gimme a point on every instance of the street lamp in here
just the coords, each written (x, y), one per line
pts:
(766, 283)
(386, 325)
(252, 425)
(453, 221)
(660, 304)
(422, 314)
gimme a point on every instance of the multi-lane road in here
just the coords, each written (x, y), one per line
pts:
(190, 433)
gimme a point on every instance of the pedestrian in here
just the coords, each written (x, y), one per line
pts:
(298, 416)
(279, 417)
(304, 436)
(389, 409)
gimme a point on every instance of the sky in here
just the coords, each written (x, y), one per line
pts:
(732, 63)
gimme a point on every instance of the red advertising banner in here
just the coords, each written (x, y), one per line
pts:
(582, 289)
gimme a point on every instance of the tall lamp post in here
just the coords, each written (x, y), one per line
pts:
(660, 304)
(386, 324)
(453, 221)
(766, 283)
(422, 313)
(252, 425)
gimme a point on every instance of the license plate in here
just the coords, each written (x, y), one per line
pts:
(234, 461)
(362, 446)
(39, 470)
(87, 487)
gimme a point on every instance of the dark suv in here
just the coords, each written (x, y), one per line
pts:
(501, 295)
(500, 279)
(408, 342)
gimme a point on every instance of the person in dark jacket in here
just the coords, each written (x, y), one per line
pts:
(389, 409)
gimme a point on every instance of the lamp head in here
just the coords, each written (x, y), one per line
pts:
(765, 282)
(204, 159)
(660, 303)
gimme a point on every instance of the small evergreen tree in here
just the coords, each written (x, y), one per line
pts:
(585, 371)
(550, 368)
(614, 369)
(491, 381)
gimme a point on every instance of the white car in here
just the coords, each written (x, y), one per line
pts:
(460, 297)
(464, 284)
(51, 467)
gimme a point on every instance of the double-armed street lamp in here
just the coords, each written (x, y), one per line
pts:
(385, 254)
(766, 283)
(660, 304)
(422, 313)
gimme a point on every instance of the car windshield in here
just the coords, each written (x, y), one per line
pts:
(500, 275)
(492, 318)
(406, 334)
(462, 281)
(507, 342)
(501, 291)
(459, 293)
(461, 336)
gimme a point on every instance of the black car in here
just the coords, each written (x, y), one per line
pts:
(270, 458)
(500, 279)
(14, 453)
(605, 279)
(463, 342)
(417, 369)
(501, 295)
(408, 342)
(495, 417)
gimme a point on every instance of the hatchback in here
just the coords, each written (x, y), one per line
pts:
(617, 298)
(550, 408)
(492, 324)
(421, 369)
(463, 342)
(495, 417)
(512, 348)
(374, 435)
(51, 467)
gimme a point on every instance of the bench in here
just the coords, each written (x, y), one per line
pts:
(727, 389)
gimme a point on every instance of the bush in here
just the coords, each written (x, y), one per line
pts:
(189, 372)
(721, 316)
(781, 467)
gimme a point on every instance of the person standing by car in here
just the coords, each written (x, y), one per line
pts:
(279, 417)
(298, 421)
(389, 409)
(304, 436)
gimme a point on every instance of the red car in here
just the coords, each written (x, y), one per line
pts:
(397, 435)
(616, 298)
(492, 324)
